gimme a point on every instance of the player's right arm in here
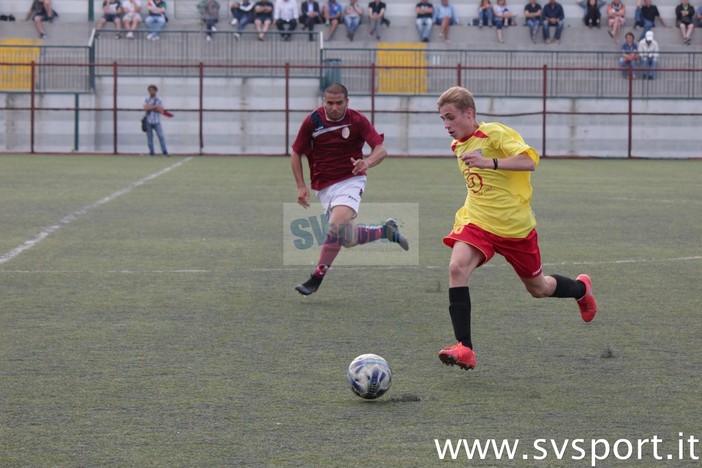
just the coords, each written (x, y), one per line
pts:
(303, 194)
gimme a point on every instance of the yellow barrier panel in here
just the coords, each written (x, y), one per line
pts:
(402, 81)
(16, 77)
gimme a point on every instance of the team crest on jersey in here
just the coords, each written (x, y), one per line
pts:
(345, 132)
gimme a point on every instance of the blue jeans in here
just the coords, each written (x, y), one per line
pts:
(558, 26)
(155, 23)
(485, 17)
(352, 23)
(424, 26)
(533, 24)
(634, 64)
(647, 26)
(648, 67)
(150, 138)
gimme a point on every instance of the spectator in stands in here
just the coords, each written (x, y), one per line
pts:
(698, 18)
(593, 17)
(310, 15)
(41, 10)
(154, 107)
(685, 20)
(331, 11)
(616, 17)
(445, 16)
(553, 16)
(242, 14)
(649, 13)
(629, 60)
(285, 15)
(376, 14)
(532, 13)
(131, 17)
(209, 12)
(263, 17)
(485, 15)
(156, 19)
(501, 18)
(111, 13)
(648, 55)
(425, 19)
(353, 12)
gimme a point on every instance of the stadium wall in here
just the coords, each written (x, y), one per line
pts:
(246, 116)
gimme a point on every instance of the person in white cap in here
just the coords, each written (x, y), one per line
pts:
(648, 55)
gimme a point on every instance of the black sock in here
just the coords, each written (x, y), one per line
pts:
(459, 309)
(566, 287)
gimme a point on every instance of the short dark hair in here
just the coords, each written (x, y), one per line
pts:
(337, 88)
(155, 88)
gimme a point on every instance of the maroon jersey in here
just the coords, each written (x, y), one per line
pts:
(329, 146)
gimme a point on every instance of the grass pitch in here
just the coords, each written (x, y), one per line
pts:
(154, 324)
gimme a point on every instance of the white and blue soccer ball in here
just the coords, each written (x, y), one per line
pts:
(369, 376)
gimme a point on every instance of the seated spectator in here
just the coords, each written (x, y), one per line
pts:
(532, 13)
(209, 12)
(41, 10)
(310, 14)
(592, 8)
(242, 14)
(263, 17)
(445, 16)
(285, 16)
(553, 16)
(352, 18)
(629, 60)
(649, 13)
(485, 14)
(332, 15)
(376, 14)
(648, 55)
(698, 18)
(425, 19)
(111, 13)
(501, 17)
(685, 20)
(616, 17)
(131, 17)
(638, 20)
(156, 19)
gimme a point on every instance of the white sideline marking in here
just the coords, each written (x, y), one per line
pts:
(28, 244)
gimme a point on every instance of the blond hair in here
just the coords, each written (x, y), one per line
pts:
(458, 96)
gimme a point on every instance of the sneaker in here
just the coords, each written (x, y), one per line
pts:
(43, 36)
(130, 35)
(156, 37)
(587, 303)
(237, 36)
(208, 38)
(393, 234)
(213, 29)
(459, 355)
(234, 22)
(310, 286)
(118, 36)
(150, 36)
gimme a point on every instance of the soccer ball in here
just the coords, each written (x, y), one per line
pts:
(370, 376)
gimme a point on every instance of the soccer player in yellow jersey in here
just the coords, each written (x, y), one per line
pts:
(496, 217)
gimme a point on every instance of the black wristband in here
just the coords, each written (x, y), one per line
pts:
(494, 162)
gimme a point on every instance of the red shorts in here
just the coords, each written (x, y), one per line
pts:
(522, 254)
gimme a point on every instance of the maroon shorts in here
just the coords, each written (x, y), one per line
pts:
(522, 254)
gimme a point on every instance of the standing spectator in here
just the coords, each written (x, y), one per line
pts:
(156, 19)
(532, 13)
(332, 139)
(332, 15)
(263, 17)
(132, 16)
(376, 14)
(310, 15)
(111, 13)
(209, 12)
(593, 17)
(41, 10)
(285, 16)
(553, 16)
(352, 18)
(425, 19)
(485, 15)
(616, 17)
(242, 14)
(648, 55)
(685, 20)
(501, 17)
(154, 107)
(496, 217)
(649, 13)
(445, 16)
(629, 60)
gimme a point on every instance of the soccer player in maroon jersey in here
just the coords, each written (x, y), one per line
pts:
(332, 138)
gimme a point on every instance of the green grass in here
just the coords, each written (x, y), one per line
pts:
(161, 328)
